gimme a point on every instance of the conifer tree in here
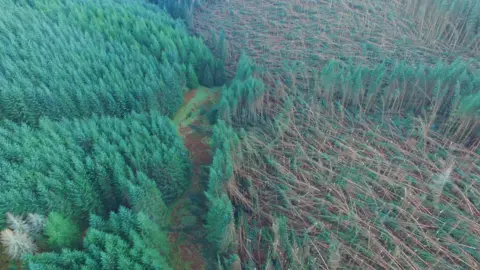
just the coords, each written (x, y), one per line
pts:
(241, 102)
(222, 47)
(62, 232)
(124, 241)
(219, 221)
(192, 80)
(78, 167)
(96, 58)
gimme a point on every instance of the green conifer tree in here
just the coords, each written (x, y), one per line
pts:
(124, 241)
(192, 80)
(219, 220)
(62, 232)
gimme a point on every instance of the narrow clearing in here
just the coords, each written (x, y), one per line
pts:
(186, 232)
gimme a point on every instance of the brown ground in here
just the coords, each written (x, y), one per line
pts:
(4, 261)
(185, 236)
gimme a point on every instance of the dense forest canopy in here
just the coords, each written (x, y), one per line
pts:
(65, 59)
(239, 134)
(86, 91)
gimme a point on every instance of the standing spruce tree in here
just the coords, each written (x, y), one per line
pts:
(62, 232)
(80, 167)
(88, 57)
(125, 241)
(242, 101)
(220, 216)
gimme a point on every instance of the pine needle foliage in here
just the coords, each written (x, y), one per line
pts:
(178, 8)
(66, 59)
(80, 167)
(220, 216)
(125, 241)
(62, 232)
(242, 101)
(219, 219)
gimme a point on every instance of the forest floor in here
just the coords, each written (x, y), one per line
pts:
(186, 231)
(4, 260)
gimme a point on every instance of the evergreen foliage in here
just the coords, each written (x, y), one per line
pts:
(192, 79)
(85, 91)
(82, 166)
(219, 219)
(221, 47)
(179, 8)
(125, 241)
(242, 101)
(355, 147)
(62, 232)
(65, 59)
